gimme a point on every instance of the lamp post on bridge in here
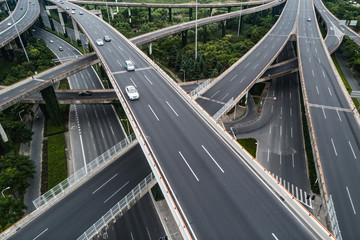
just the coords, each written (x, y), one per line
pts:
(2, 192)
(184, 73)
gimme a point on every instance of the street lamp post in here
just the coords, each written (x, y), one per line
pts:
(184, 73)
(107, 10)
(2, 192)
(196, 10)
(12, 19)
(20, 114)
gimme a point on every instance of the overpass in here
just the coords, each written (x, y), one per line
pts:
(24, 16)
(27, 87)
(153, 82)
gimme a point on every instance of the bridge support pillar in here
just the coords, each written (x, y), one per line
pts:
(223, 27)
(190, 14)
(52, 108)
(211, 12)
(229, 9)
(184, 37)
(61, 19)
(170, 19)
(150, 48)
(111, 13)
(76, 30)
(239, 26)
(129, 13)
(150, 18)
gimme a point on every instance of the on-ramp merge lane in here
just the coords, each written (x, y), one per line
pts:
(333, 125)
(219, 195)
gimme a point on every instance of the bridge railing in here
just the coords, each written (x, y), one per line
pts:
(224, 109)
(81, 173)
(123, 205)
(333, 219)
(197, 91)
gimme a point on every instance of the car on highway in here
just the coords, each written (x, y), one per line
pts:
(129, 65)
(81, 13)
(132, 92)
(67, 8)
(309, 19)
(9, 23)
(51, 41)
(72, 8)
(72, 12)
(85, 93)
(107, 38)
(99, 42)
(61, 49)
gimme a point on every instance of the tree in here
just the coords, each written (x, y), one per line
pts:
(15, 169)
(11, 210)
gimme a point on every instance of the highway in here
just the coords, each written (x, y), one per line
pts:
(25, 14)
(333, 22)
(70, 217)
(333, 125)
(186, 151)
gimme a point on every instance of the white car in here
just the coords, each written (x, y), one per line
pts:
(309, 19)
(51, 41)
(132, 93)
(9, 23)
(129, 65)
(99, 42)
(72, 12)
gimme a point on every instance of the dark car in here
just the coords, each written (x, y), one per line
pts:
(85, 93)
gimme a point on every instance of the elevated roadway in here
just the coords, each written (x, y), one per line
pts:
(27, 87)
(170, 5)
(178, 150)
(333, 122)
(25, 14)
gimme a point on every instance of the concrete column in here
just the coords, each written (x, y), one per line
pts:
(48, 12)
(229, 9)
(184, 37)
(205, 34)
(76, 30)
(149, 10)
(170, 15)
(211, 12)
(61, 19)
(111, 13)
(150, 48)
(223, 24)
(190, 14)
(129, 12)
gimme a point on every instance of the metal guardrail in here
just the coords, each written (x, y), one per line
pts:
(118, 208)
(333, 219)
(81, 173)
(223, 109)
(196, 91)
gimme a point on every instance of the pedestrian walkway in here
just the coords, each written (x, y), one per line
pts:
(298, 193)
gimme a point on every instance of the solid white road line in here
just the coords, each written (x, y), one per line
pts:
(280, 130)
(350, 200)
(153, 113)
(5, 98)
(188, 166)
(352, 149)
(112, 131)
(224, 97)
(332, 141)
(147, 230)
(82, 148)
(293, 159)
(116, 191)
(270, 129)
(323, 73)
(212, 158)
(215, 94)
(268, 154)
(291, 132)
(132, 237)
(274, 236)
(323, 112)
(338, 115)
(40, 234)
(317, 90)
(280, 157)
(312, 71)
(104, 184)
(330, 91)
(148, 79)
(172, 108)
(119, 63)
(133, 82)
(233, 78)
(290, 112)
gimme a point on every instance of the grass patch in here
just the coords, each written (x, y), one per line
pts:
(308, 150)
(52, 128)
(156, 192)
(256, 100)
(356, 102)
(64, 84)
(57, 170)
(249, 144)
(342, 75)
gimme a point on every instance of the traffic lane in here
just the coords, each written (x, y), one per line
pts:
(321, 84)
(8, 93)
(140, 222)
(17, 13)
(339, 157)
(206, 165)
(69, 218)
